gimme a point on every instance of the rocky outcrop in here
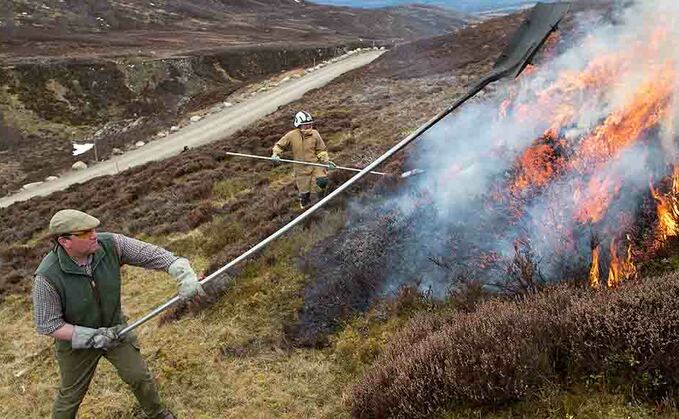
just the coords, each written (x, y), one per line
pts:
(115, 103)
(77, 93)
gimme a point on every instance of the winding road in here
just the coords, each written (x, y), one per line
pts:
(212, 128)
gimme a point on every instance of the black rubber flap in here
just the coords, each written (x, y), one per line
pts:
(530, 36)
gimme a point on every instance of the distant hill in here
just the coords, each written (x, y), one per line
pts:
(50, 27)
(404, 21)
(467, 6)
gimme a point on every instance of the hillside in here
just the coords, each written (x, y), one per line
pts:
(368, 103)
(165, 28)
(245, 366)
(159, 62)
(468, 6)
(238, 356)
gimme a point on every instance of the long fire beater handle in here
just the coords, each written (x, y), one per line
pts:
(306, 163)
(512, 62)
(480, 85)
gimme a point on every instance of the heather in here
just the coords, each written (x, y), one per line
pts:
(622, 340)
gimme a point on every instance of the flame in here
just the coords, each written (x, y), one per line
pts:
(554, 156)
(624, 127)
(530, 69)
(503, 111)
(621, 270)
(594, 279)
(572, 179)
(668, 209)
(593, 204)
(535, 166)
(647, 107)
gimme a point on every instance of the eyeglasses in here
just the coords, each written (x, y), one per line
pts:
(85, 234)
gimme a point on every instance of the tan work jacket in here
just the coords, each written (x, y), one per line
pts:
(305, 147)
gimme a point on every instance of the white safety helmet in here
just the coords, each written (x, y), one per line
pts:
(302, 118)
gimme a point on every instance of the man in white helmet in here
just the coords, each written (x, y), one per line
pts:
(307, 145)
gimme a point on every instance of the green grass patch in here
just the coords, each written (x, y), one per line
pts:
(18, 116)
(659, 266)
(228, 189)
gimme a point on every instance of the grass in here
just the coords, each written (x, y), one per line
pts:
(198, 381)
(24, 384)
(227, 190)
(228, 361)
(231, 360)
(661, 265)
(18, 116)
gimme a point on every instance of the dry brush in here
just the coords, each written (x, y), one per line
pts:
(625, 340)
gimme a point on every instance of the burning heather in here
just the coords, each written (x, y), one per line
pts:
(570, 174)
(570, 160)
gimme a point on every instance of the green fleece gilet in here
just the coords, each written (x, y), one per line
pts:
(89, 301)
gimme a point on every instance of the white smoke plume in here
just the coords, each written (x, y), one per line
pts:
(562, 159)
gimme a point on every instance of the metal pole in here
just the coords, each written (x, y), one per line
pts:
(509, 63)
(480, 85)
(252, 156)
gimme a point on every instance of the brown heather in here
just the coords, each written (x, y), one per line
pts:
(624, 340)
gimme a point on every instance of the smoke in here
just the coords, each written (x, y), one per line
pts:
(526, 187)
(561, 160)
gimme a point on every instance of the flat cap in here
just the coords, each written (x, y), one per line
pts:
(70, 220)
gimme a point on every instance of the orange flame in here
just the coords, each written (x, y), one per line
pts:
(579, 141)
(668, 209)
(504, 108)
(594, 279)
(596, 200)
(621, 270)
(624, 127)
(535, 167)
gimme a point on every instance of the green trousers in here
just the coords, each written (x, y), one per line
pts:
(76, 368)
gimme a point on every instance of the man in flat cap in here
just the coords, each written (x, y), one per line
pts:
(76, 299)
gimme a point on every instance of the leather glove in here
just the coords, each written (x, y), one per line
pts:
(331, 165)
(187, 279)
(276, 158)
(104, 338)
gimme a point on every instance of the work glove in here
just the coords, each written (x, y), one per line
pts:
(331, 165)
(187, 279)
(104, 338)
(276, 159)
(129, 337)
